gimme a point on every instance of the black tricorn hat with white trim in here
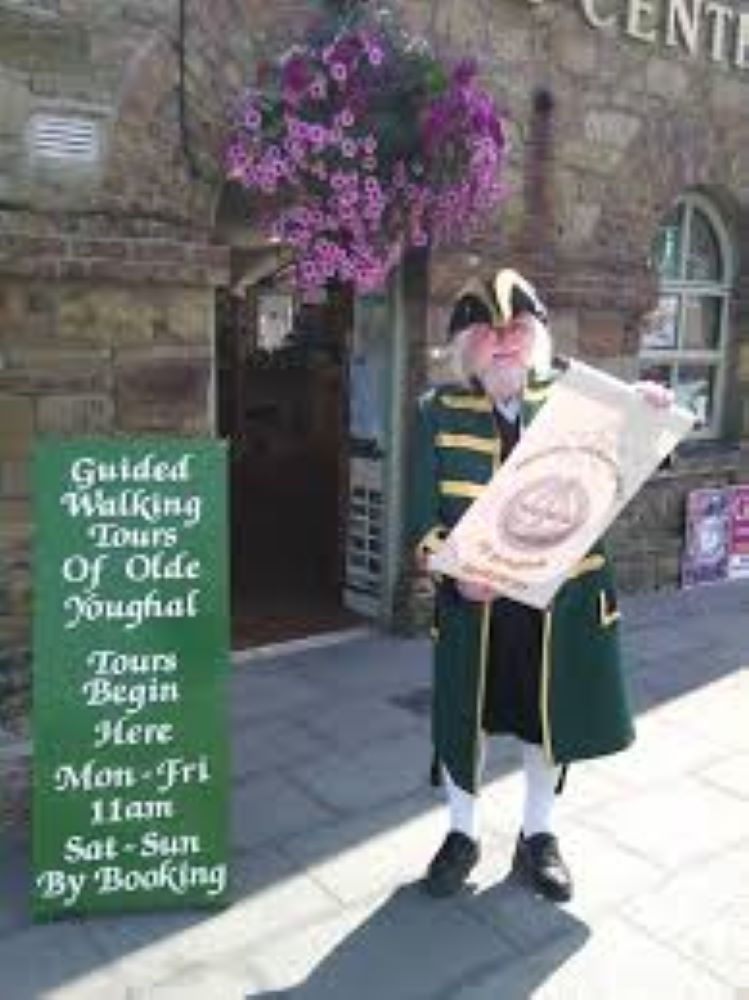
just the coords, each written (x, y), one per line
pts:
(474, 303)
(516, 295)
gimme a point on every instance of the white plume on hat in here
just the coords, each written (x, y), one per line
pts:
(515, 296)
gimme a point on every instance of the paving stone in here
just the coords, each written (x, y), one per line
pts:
(662, 750)
(676, 822)
(353, 723)
(704, 912)
(387, 770)
(276, 901)
(730, 774)
(716, 711)
(259, 747)
(261, 692)
(268, 808)
(614, 961)
(197, 982)
(374, 851)
(57, 961)
(15, 887)
(407, 946)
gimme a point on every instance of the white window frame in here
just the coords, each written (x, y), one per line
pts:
(682, 288)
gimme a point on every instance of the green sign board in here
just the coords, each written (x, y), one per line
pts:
(131, 780)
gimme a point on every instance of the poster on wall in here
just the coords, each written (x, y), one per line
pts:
(130, 802)
(738, 541)
(584, 456)
(708, 535)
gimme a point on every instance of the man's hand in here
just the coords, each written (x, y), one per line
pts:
(655, 394)
(480, 592)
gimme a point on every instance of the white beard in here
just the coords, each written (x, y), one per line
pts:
(503, 382)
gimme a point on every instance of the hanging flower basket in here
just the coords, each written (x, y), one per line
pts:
(361, 143)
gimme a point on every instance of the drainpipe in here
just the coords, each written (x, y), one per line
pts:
(395, 451)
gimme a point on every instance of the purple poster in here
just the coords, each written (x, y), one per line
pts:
(738, 542)
(708, 532)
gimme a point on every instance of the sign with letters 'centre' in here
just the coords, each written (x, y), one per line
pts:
(130, 661)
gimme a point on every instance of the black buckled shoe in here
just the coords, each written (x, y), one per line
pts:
(539, 863)
(451, 865)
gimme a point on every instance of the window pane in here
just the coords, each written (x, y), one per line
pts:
(662, 374)
(667, 246)
(701, 329)
(659, 326)
(703, 259)
(695, 389)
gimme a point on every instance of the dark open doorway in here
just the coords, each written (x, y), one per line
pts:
(282, 406)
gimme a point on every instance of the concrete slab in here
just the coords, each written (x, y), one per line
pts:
(56, 962)
(405, 946)
(267, 808)
(703, 912)
(616, 961)
(387, 770)
(676, 822)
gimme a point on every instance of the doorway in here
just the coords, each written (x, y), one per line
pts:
(282, 407)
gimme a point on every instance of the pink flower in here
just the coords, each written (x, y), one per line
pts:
(318, 90)
(348, 148)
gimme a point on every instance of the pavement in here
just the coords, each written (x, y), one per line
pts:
(334, 822)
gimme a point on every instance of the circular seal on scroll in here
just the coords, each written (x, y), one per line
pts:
(544, 512)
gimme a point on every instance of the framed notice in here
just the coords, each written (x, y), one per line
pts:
(738, 540)
(708, 535)
(580, 461)
(130, 797)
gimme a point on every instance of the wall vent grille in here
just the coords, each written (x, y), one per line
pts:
(74, 140)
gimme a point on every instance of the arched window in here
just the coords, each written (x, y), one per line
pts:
(684, 338)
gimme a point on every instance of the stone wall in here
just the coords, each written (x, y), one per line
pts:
(107, 271)
(78, 358)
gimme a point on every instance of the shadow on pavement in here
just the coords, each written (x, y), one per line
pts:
(417, 947)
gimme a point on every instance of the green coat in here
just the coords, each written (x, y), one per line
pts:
(584, 708)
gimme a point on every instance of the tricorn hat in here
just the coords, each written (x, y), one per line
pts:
(474, 303)
(515, 295)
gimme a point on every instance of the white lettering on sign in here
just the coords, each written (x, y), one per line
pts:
(106, 535)
(63, 886)
(134, 503)
(102, 691)
(157, 566)
(110, 663)
(92, 777)
(162, 845)
(177, 877)
(178, 771)
(116, 810)
(77, 849)
(133, 612)
(716, 29)
(119, 733)
(87, 472)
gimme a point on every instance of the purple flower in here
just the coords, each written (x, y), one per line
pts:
(346, 118)
(348, 148)
(252, 119)
(318, 90)
(339, 72)
(295, 75)
(375, 55)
